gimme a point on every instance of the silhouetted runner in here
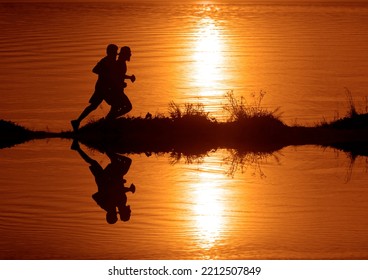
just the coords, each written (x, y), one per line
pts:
(111, 195)
(120, 103)
(105, 70)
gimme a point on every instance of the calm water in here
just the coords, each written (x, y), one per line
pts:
(300, 203)
(303, 56)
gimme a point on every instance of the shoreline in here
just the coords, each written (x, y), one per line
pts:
(197, 134)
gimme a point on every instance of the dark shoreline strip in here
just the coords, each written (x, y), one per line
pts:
(198, 135)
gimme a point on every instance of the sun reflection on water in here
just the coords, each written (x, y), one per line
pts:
(208, 57)
(209, 209)
(209, 70)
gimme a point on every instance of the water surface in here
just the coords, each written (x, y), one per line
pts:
(302, 202)
(302, 55)
(299, 203)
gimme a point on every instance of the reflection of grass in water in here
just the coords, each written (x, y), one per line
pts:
(235, 161)
(177, 157)
(239, 161)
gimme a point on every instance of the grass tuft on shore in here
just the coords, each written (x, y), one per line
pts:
(353, 119)
(188, 111)
(239, 109)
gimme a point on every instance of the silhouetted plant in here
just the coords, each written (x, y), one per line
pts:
(352, 120)
(187, 110)
(352, 109)
(239, 109)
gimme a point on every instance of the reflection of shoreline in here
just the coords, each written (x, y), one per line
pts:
(197, 135)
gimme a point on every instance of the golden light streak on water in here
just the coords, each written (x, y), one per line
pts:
(210, 199)
(208, 57)
(209, 209)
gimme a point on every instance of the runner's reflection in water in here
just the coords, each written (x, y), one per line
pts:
(111, 195)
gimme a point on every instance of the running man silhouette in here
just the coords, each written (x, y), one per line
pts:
(105, 70)
(120, 103)
(111, 195)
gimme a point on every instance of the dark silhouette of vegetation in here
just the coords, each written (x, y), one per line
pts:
(240, 110)
(352, 120)
(187, 128)
(12, 134)
(189, 131)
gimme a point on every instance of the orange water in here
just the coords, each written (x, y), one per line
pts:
(301, 203)
(302, 55)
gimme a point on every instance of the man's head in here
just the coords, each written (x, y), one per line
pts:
(112, 50)
(125, 53)
(111, 217)
(125, 213)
